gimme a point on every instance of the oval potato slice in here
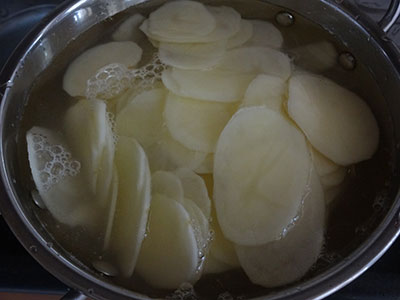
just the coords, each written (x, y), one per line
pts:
(334, 178)
(322, 164)
(242, 36)
(265, 35)
(167, 184)
(261, 169)
(129, 29)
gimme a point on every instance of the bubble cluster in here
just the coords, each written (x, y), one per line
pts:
(54, 162)
(185, 292)
(145, 77)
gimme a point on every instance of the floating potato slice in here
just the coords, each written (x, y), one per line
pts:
(192, 56)
(113, 195)
(256, 60)
(142, 117)
(267, 90)
(212, 85)
(195, 189)
(323, 165)
(242, 36)
(337, 122)
(86, 65)
(169, 254)
(129, 29)
(207, 166)
(318, 57)
(261, 170)
(58, 180)
(167, 184)
(214, 266)
(265, 35)
(228, 23)
(334, 178)
(288, 259)
(196, 124)
(133, 204)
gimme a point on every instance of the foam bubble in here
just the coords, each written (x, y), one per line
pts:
(184, 292)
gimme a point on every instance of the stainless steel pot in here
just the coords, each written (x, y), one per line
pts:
(366, 40)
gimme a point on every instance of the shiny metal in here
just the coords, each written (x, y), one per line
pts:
(391, 16)
(105, 268)
(37, 52)
(74, 295)
(284, 18)
(347, 61)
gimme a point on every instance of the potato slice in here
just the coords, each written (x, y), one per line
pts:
(337, 122)
(268, 90)
(196, 124)
(214, 266)
(322, 164)
(192, 56)
(242, 36)
(142, 117)
(132, 204)
(207, 166)
(317, 57)
(129, 29)
(264, 35)
(288, 259)
(169, 254)
(110, 212)
(89, 62)
(334, 178)
(195, 189)
(212, 85)
(261, 169)
(167, 184)
(256, 60)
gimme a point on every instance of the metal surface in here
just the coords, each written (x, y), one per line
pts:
(74, 295)
(391, 16)
(37, 52)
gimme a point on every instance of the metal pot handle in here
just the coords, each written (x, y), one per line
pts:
(74, 295)
(391, 16)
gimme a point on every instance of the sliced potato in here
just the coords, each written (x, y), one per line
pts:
(196, 124)
(322, 164)
(288, 259)
(228, 23)
(89, 62)
(169, 254)
(268, 90)
(265, 35)
(110, 211)
(167, 184)
(337, 122)
(214, 266)
(207, 166)
(242, 36)
(334, 178)
(317, 57)
(261, 169)
(129, 29)
(192, 56)
(133, 204)
(212, 85)
(257, 60)
(142, 117)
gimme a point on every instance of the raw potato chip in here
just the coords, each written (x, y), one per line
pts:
(261, 170)
(129, 29)
(89, 62)
(242, 36)
(196, 124)
(133, 204)
(337, 122)
(265, 35)
(284, 261)
(167, 184)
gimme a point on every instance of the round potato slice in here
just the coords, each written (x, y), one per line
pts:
(261, 169)
(207, 166)
(129, 29)
(133, 204)
(214, 266)
(242, 36)
(167, 184)
(86, 65)
(196, 124)
(323, 165)
(288, 259)
(268, 90)
(334, 178)
(264, 35)
(337, 122)
(169, 254)
(257, 60)
(212, 85)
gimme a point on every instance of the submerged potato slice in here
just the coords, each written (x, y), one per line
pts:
(87, 64)
(334, 178)
(167, 184)
(133, 204)
(169, 254)
(337, 122)
(207, 166)
(317, 57)
(322, 164)
(264, 35)
(288, 259)
(214, 266)
(110, 211)
(196, 124)
(129, 29)
(261, 170)
(265, 90)
(212, 85)
(242, 36)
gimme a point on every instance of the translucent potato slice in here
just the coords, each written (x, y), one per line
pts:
(242, 36)
(264, 35)
(110, 212)
(334, 178)
(257, 60)
(207, 166)
(142, 117)
(261, 169)
(195, 189)
(167, 184)
(192, 56)
(317, 57)
(337, 122)
(212, 85)
(287, 260)
(322, 164)
(87, 64)
(133, 204)
(267, 90)
(196, 124)
(169, 254)
(129, 29)
(213, 265)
